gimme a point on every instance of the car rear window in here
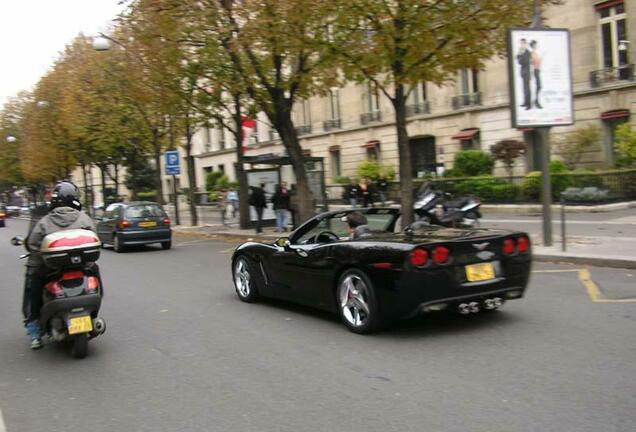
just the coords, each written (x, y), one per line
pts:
(144, 210)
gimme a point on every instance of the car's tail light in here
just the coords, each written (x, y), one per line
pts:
(523, 244)
(419, 257)
(124, 224)
(508, 246)
(73, 275)
(2, 214)
(93, 284)
(441, 255)
(166, 221)
(55, 289)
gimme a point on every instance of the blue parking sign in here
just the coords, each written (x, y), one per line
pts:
(172, 163)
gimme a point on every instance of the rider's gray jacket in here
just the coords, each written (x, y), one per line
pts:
(58, 219)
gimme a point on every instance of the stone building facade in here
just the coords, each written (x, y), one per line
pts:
(355, 122)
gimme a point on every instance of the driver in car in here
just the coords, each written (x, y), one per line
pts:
(358, 227)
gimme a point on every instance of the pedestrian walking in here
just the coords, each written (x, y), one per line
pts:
(233, 199)
(223, 204)
(383, 187)
(257, 200)
(281, 202)
(353, 193)
(366, 192)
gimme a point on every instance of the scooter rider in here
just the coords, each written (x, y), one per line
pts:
(64, 213)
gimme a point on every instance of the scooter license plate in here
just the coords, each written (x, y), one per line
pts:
(82, 324)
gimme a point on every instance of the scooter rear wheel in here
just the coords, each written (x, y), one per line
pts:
(79, 346)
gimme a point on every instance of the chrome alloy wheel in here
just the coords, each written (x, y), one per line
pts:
(242, 278)
(353, 295)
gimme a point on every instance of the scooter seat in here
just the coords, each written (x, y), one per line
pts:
(456, 203)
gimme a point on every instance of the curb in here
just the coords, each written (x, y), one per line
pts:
(586, 260)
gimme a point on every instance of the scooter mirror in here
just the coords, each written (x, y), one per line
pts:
(17, 240)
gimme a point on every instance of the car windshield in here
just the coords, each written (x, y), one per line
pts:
(144, 210)
(377, 222)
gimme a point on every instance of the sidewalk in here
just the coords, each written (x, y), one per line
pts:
(582, 250)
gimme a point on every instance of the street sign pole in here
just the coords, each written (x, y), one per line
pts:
(543, 133)
(175, 200)
(173, 169)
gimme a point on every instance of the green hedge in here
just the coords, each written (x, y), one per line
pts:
(489, 188)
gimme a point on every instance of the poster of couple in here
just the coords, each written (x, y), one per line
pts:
(540, 77)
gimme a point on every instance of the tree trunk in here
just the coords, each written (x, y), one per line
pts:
(192, 178)
(285, 127)
(116, 180)
(87, 204)
(404, 152)
(241, 175)
(102, 173)
(156, 146)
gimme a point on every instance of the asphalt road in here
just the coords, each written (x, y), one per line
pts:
(183, 354)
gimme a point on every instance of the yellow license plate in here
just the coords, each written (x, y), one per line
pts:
(480, 272)
(82, 324)
(148, 224)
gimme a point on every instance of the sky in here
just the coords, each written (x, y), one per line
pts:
(34, 32)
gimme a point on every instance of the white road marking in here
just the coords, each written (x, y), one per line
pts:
(3, 428)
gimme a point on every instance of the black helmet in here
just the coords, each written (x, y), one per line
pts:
(65, 194)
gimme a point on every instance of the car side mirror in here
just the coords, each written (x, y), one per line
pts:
(283, 242)
(17, 240)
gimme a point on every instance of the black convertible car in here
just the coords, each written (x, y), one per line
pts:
(388, 274)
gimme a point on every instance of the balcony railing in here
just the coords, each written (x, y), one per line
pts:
(370, 117)
(418, 108)
(303, 130)
(466, 100)
(331, 124)
(611, 75)
(273, 135)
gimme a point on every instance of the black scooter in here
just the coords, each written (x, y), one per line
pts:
(72, 293)
(435, 207)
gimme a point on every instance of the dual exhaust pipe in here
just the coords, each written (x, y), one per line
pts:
(474, 307)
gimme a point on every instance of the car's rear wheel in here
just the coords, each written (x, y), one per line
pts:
(166, 245)
(357, 303)
(244, 280)
(117, 246)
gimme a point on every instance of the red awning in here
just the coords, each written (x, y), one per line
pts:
(525, 129)
(615, 114)
(306, 152)
(607, 4)
(334, 148)
(371, 144)
(466, 134)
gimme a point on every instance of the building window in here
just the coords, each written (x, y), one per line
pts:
(613, 30)
(418, 100)
(208, 139)
(373, 98)
(222, 168)
(469, 79)
(611, 121)
(303, 116)
(372, 150)
(468, 138)
(221, 137)
(334, 104)
(253, 140)
(335, 163)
